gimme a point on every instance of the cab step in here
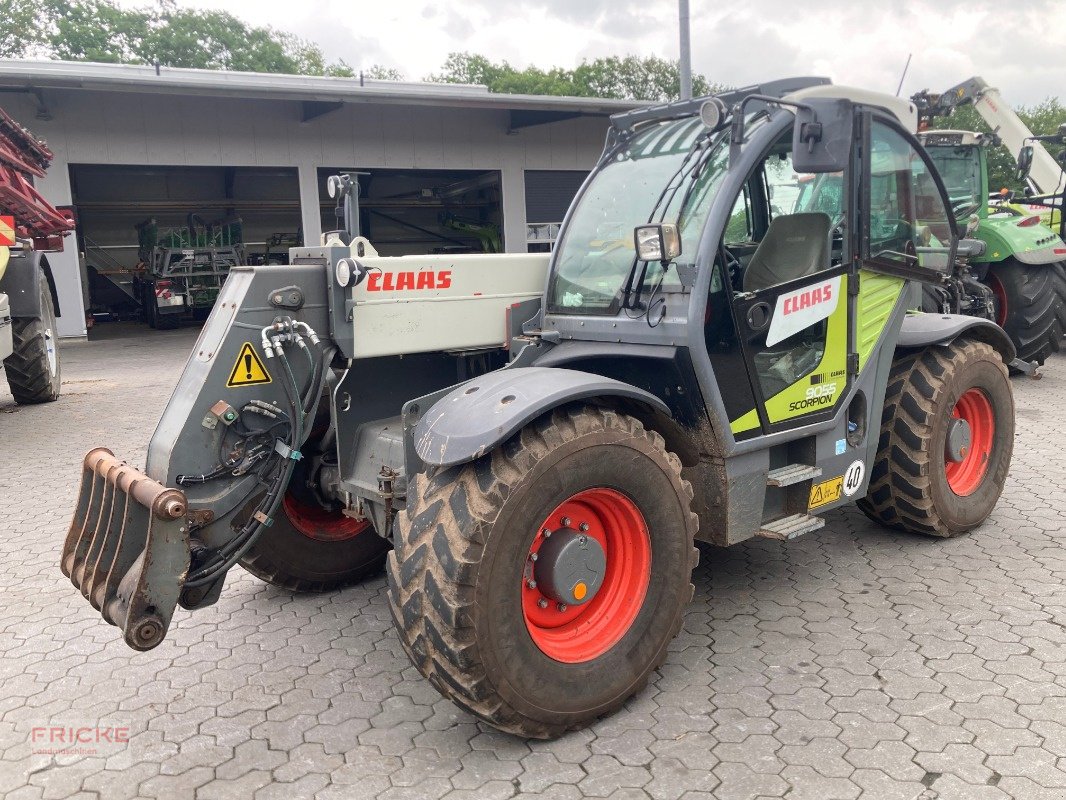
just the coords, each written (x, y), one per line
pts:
(793, 473)
(790, 527)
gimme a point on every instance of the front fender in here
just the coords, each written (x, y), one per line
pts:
(473, 418)
(920, 330)
(21, 282)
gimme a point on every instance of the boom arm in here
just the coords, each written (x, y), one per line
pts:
(1045, 177)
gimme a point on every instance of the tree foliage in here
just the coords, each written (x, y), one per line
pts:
(1043, 118)
(99, 30)
(631, 77)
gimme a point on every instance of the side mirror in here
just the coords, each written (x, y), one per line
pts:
(1025, 162)
(659, 242)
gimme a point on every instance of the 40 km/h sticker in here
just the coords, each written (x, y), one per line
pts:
(853, 477)
(249, 369)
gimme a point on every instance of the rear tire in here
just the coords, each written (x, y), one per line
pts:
(1031, 306)
(913, 485)
(308, 549)
(33, 369)
(462, 564)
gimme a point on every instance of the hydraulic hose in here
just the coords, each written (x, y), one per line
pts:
(230, 553)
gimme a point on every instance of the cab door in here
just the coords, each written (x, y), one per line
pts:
(790, 302)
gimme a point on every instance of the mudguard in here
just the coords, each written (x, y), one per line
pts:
(473, 418)
(921, 329)
(21, 282)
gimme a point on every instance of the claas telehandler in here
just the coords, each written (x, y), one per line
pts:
(533, 444)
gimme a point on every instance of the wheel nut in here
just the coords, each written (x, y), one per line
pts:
(532, 584)
(542, 603)
(561, 606)
(566, 522)
(546, 532)
(532, 556)
(583, 527)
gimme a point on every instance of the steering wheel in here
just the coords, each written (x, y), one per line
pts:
(733, 266)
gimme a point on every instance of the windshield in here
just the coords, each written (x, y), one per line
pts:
(960, 169)
(669, 165)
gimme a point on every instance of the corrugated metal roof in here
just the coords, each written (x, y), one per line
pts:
(90, 76)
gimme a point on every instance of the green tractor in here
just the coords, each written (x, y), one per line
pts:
(1020, 279)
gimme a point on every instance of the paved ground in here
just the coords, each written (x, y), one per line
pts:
(851, 663)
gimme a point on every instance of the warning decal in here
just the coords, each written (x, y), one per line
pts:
(249, 369)
(7, 231)
(826, 492)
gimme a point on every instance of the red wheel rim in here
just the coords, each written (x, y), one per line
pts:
(320, 524)
(964, 477)
(584, 632)
(1001, 298)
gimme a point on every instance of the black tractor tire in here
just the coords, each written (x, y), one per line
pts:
(909, 487)
(462, 548)
(167, 322)
(289, 558)
(1030, 305)
(33, 369)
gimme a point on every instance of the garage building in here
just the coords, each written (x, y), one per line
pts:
(447, 168)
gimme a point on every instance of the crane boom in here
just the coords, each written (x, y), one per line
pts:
(1046, 176)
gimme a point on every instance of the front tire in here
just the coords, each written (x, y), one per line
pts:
(33, 368)
(463, 585)
(312, 549)
(1030, 306)
(915, 485)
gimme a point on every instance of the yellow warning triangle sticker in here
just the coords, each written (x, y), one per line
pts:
(249, 369)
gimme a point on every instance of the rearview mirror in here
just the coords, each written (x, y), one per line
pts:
(1025, 162)
(660, 242)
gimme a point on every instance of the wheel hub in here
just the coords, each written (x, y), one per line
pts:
(957, 443)
(570, 567)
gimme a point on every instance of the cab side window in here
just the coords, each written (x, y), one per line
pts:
(909, 221)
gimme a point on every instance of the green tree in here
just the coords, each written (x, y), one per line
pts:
(99, 30)
(631, 77)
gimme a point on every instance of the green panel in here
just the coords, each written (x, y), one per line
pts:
(1003, 238)
(745, 422)
(877, 298)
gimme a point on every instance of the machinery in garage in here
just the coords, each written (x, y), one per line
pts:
(30, 228)
(540, 440)
(182, 270)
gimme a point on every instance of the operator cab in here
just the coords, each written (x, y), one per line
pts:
(773, 230)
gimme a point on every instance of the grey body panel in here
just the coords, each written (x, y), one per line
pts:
(22, 281)
(181, 445)
(475, 417)
(6, 340)
(920, 330)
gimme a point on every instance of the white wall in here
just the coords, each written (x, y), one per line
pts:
(129, 128)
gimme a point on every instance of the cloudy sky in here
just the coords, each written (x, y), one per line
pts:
(859, 42)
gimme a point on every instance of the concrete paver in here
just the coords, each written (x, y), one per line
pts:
(852, 663)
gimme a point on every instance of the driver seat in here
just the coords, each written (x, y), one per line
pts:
(794, 245)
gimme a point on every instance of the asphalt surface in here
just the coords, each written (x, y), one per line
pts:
(853, 662)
